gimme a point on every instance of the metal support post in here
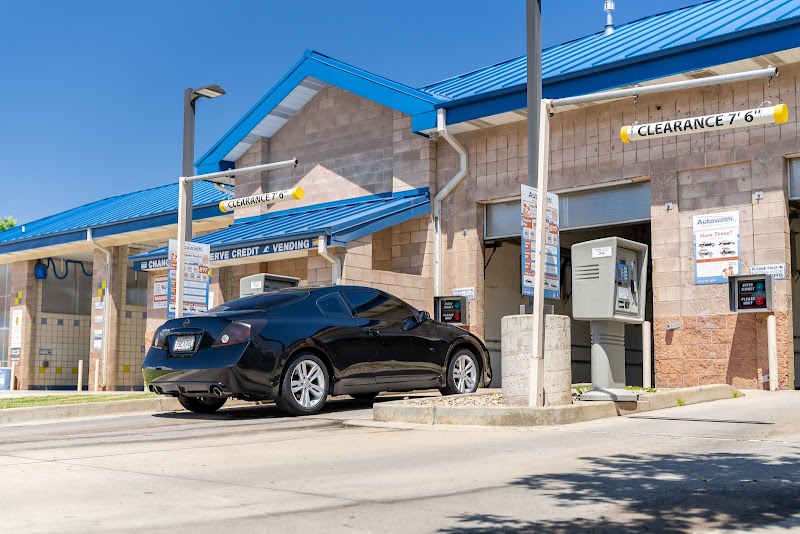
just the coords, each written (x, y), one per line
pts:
(772, 351)
(647, 355)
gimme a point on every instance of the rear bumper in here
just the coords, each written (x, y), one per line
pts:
(223, 372)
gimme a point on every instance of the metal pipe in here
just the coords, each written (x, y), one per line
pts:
(107, 252)
(244, 170)
(664, 87)
(441, 127)
(336, 263)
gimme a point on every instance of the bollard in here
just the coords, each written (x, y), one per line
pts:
(80, 375)
(772, 351)
(11, 382)
(647, 355)
(97, 375)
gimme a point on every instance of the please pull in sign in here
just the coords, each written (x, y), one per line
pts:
(718, 121)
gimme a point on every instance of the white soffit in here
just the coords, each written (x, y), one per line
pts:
(280, 115)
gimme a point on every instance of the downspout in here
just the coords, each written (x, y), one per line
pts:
(336, 263)
(107, 252)
(441, 128)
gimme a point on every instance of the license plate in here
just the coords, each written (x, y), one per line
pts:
(183, 344)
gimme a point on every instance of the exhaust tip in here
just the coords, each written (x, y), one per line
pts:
(216, 391)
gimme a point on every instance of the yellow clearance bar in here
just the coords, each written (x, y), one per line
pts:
(718, 121)
(295, 193)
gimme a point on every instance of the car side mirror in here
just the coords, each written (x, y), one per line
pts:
(424, 316)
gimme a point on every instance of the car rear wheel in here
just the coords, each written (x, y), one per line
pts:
(462, 373)
(304, 386)
(364, 396)
(201, 404)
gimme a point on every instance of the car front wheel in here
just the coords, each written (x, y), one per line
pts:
(304, 386)
(201, 404)
(462, 373)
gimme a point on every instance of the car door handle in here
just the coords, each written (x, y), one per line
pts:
(371, 331)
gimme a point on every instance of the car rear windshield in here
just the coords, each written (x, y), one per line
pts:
(262, 302)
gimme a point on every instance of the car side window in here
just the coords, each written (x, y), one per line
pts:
(375, 305)
(332, 306)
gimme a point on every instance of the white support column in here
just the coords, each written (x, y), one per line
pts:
(647, 355)
(772, 351)
(536, 397)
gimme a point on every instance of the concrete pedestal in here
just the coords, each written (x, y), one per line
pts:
(517, 331)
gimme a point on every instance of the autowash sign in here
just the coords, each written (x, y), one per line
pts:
(718, 121)
(236, 253)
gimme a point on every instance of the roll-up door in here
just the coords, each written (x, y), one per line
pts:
(582, 209)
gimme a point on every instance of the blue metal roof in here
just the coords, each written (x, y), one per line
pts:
(686, 39)
(295, 89)
(132, 211)
(340, 221)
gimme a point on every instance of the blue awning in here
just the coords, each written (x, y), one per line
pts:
(297, 229)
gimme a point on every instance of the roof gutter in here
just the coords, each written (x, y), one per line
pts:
(441, 128)
(107, 252)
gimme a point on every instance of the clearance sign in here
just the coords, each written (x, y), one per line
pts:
(295, 193)
(719, 121)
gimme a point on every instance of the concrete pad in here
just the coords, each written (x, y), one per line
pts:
(431, 411)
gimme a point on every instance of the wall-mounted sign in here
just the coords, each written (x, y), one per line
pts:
(451, 310)
(777, 270)
(160, 290)
(468, 292)
(16, 329)
(97, 339)
(195, 277)
(716, 247)
(295, 193)
(235, 253)
(750, 293)
(552, 247)
(718, 121)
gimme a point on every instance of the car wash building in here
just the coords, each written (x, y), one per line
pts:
(416, 191)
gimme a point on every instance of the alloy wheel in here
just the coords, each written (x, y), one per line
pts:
(308, 384)
(465, 373)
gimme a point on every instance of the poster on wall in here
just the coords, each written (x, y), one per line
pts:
(16, 330)
(195, 277)
(716, 247)
(552, 248)
(160, 291)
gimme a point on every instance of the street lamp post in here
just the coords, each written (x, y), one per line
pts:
(190, 96)
(186, 190)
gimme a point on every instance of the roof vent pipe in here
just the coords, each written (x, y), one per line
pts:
(609, 8)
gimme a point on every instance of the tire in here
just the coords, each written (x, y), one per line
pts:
(310, 391)
(365, 396)
(201, 404)
(463, 373)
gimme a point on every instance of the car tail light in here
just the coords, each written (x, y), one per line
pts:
(160, 338)
(239, 332)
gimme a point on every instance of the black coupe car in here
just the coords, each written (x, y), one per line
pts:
(299, 345)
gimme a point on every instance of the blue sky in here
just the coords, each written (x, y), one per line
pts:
(91, 98)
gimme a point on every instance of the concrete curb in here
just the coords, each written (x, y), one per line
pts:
(431, 414)
(65, 411)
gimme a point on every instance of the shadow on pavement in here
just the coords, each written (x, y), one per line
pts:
(270, 411)
(662, 493)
